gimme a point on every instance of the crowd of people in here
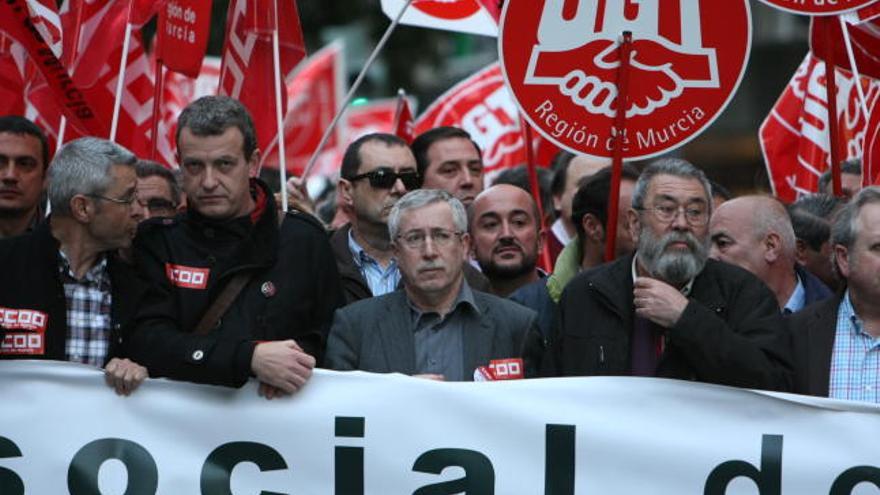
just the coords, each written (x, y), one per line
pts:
(196, 274)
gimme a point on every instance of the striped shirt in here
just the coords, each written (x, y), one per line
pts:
(88, 312)
(380, 280)
(855, 359)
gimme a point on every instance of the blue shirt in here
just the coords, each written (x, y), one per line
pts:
(855, 359)
(798, 298)
(380, 280)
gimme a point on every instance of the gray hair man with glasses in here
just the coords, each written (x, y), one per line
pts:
(668, 310)
(436, 326)
(67, 295)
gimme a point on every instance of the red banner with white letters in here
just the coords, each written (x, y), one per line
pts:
(483, 106)
(182, 35)
(794, 137)
(864, 37)
(247, 70)
(314, 96)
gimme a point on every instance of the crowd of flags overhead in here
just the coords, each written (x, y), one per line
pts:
(59, 67)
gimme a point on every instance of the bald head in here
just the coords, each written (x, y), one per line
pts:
(506, 233)
(755, 233)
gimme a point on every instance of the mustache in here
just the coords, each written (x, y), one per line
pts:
(692, 243)
(429, 266)
(507, 242)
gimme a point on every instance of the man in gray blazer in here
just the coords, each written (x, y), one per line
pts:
(436, 327)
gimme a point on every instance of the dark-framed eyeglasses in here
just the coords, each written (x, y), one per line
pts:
(416, 239)
(384, 178)
(696, 215)
(126, 200)
(157, 205)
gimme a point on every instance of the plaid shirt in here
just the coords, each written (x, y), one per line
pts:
(88, 312)
(855, 360)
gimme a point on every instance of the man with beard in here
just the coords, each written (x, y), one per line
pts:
(669, 311)
(507, 237)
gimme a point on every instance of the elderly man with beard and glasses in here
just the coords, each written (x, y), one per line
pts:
(669, 311)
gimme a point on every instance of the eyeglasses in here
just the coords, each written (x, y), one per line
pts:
(384, 178)
(416, 239)
(667, 213)
(127, 201)
(157, 205)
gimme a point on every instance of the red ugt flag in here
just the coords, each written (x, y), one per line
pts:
(247, 70)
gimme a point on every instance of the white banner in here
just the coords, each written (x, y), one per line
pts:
(64, 431)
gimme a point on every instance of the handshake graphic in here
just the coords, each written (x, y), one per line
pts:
(581, 54)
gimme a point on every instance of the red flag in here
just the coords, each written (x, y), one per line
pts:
(871, 161)
(493, 7)
(98, 29)
(314, 96)
(248, 62)
(794, 137)
(11, 77)
(47, 22)
(15, 20)
(865, 39)
(369, 118)
(179, 91)
(182, 35)
(483, 106)
(404, 122)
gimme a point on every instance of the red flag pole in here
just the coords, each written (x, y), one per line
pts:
(531, 167)
(831, 94)
(401, 96)
(619, 131)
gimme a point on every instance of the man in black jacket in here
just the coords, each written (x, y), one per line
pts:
(66, 295)
(668, 311)
(274, 327)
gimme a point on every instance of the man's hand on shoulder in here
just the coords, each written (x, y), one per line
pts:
(658, 301)
(124, 375)
(281, 366)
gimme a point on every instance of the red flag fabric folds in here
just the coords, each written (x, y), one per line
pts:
(247, 68)
(794, 137)
(182, 35)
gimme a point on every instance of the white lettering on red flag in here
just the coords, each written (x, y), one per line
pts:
(483, 106)
(561, 58)
(246, 73)
(794, 137)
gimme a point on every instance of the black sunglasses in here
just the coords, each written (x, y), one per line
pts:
(384, 178)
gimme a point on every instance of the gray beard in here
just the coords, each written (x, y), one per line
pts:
(673, 267)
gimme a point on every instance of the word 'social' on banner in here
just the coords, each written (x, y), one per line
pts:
(560, 59)
(62, 430)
